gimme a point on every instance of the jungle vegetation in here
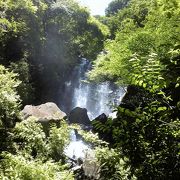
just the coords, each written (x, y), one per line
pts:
(136, 45)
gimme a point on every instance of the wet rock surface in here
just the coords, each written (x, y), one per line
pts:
(79, 116)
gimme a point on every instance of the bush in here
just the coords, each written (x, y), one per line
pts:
(9, 99)
(20, 168)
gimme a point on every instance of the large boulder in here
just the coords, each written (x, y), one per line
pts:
(46, 114)
(79, 116)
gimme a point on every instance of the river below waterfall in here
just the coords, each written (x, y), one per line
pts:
(76, 148)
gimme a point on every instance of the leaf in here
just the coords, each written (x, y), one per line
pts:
(140, 83)
(162, 108)
(177, 85)
(144, 85)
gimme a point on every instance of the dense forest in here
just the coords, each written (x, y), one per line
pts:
(135, 45)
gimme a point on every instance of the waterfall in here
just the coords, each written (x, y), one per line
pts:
(96, 98)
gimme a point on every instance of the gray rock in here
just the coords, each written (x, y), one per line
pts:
(79, 115)
(45, 113)
(91, 165)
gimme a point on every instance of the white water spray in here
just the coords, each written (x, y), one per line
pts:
(96, 98)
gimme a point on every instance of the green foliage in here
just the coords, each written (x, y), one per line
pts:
(92, 138)
(34, 154)
(43, 40)
(20, 39)
(150, 68)
(9, 99)
(146, 137)
(115, 6)
(145, 53)
(113, 166)
(40, 41)
(9, 107)
(18, 167)
(109, 162)
(59, 138)
(147, 42)
(31, 139)
(46, 38)
(103, 28)
(25, 89)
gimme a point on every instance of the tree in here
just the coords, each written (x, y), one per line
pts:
(145, 56)
(115, 6)
(9, 106)
(10, 101)
(47, 38)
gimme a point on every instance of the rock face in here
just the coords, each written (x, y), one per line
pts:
(79, 115)
(45, 113)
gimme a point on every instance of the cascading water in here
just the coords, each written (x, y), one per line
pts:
(76, 148)
(96, 98)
